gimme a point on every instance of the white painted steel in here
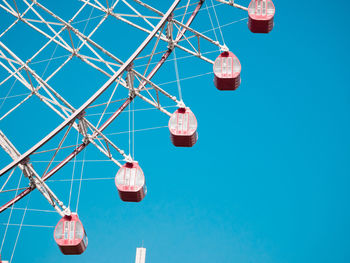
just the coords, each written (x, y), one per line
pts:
(140, 255)
(232, 3)
(33, 176)
(95, 96)
(58, 104)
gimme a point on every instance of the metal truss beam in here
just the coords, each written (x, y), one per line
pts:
(232, 3)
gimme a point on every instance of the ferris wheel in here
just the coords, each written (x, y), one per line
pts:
(56, 41)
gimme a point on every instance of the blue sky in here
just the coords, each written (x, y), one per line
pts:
(268, 179)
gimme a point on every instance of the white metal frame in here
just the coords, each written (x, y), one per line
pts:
(76, 117)
(167, 29)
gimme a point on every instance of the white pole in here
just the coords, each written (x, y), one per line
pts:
(140, 255)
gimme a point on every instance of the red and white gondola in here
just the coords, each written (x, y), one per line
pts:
(130, 182)
(227, 71)
(3, 261)
(261, 14)
(70, 235)
(183, 128)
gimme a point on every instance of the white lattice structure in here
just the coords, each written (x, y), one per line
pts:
(126, 79)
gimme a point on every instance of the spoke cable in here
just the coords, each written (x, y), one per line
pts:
(74, 163)
(20, 228)
(80, 180)
(217, 21)
(9, 220)
(177, 76)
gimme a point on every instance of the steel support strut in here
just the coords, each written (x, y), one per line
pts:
(232, 3)
(35, 180)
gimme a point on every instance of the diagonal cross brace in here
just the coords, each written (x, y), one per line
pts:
(32, 175)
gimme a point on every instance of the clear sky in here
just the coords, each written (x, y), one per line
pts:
(268, 180)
